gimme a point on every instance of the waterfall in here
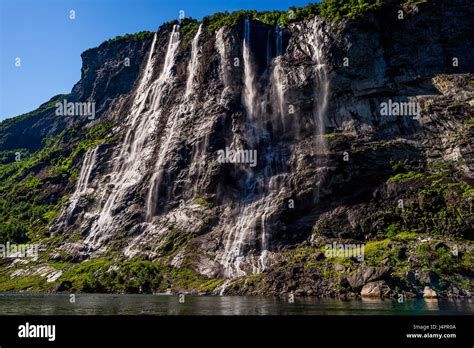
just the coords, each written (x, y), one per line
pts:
(224, 65)
(241, 224)
(279, 40)
(193, 64)
(250, 93)
(265, 189)
(277, 79)
(277, 83)
(82, 183)
(199, 148)
(86, 169)
(137, 147)
(252, 221)
(158, 172)
(269, 48)
(199, 157)
(322, 83)
(170, 130)
(244, 225)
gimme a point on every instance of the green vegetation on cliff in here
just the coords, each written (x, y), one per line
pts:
(30, 188)
(112, 276)
(135, 37)
(433, 200)
(327, 9)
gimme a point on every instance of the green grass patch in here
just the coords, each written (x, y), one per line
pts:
(405, 177)
(134, 276)
(23, 283)
(376, 251)
(406, 236)
(329, 135)
(203, 203)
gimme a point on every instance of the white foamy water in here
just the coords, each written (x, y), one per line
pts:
(193, 64)
(137, 147)
(322, 93)
(224, 64)
(276, 81)
(82, 185)
(249, 93)
(199, 159)
(248, 232)
(242, 236)
(200, 146)
(277, 78)
(86, 169)
(171, 128)
(241, 231)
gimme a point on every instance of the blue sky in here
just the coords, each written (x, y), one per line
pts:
(49, 43)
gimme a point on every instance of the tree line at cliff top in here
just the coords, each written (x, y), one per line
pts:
(328, 9)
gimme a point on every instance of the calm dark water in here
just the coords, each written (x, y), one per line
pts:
(101, 304)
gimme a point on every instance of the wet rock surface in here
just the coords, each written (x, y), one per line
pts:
(330, 167)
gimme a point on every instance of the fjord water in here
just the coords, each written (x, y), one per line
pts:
(102, 304)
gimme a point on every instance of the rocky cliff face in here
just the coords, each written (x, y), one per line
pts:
(104, 77)
(316, 161)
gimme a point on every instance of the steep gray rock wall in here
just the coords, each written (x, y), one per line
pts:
(105, 77)
(228, 219)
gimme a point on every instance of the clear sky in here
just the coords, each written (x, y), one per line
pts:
(49, 43)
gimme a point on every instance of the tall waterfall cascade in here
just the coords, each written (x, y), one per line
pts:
(193, 64)
(136, 149)
(322, 80)
(250, 92)
(153, 130)
(255, 212)
(171, 124)
(82, 185)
